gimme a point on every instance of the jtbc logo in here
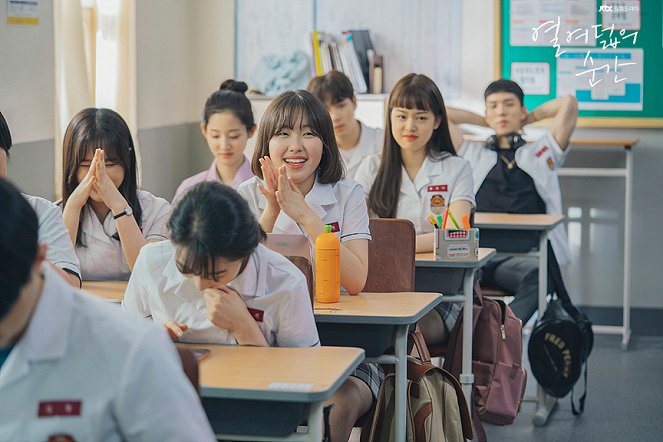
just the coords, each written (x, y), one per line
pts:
(605, 8)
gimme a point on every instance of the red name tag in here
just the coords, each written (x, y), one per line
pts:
(257, 314)
(438, 188)
(335, 227)
(59, 408)
(541, 151)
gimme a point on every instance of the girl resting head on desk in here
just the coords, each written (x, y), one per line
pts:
(299, 188)
(227, 125)
(419, 173)
(214, 282)
(108, 218)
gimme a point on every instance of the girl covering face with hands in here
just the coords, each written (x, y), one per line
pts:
(214, 282)
(107, 217)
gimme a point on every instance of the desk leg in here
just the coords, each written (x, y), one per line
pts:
(626, 323)
(545, 404)
(400, 350)
(316, 430)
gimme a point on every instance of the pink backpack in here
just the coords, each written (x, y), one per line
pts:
(499, 379)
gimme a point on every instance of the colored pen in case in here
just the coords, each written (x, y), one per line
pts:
(453, 220)
(431, 218)
(446, 215)
(439, 220)
(466, 221)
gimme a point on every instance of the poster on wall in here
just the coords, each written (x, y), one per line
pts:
(623, 14)
(533, 78)
(607, 80)
(564, 22)
(23, 12)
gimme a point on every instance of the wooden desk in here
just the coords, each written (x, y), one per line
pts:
(109, 290)
(467, 270)
(542, 224)
(243, 387)
(374, 322)
(627, 144)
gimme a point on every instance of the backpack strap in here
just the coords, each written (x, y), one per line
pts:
(581, 404)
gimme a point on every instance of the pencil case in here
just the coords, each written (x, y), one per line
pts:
(456, 245)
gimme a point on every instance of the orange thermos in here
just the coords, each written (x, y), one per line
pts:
(327, 267)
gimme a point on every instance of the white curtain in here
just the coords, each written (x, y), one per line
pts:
(114, 65)
(71, 79)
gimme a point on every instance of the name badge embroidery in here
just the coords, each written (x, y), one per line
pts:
(59, 408)
(61, 438)
(437, 188)
(257, 315)
(541, 151)
(335, 227)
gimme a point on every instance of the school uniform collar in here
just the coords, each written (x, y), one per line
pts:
(96, 229)
(361, 148)
(252, 281)
(47, 335)
(243, 173)
(429, 169)
(172, 277)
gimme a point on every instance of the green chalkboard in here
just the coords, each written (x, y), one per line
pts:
(646, 111)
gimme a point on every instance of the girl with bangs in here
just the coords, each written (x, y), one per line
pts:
(108, 218)
(419, 175)
(299, 188)
(215, 282)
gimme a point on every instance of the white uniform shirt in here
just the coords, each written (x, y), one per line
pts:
(540, 160)
(341, 204)
(87, 370)
(103, 258)
(370, 143)
(437, 184)
(54, 234)
(274, 290)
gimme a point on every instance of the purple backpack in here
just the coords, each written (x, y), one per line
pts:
(499, 378)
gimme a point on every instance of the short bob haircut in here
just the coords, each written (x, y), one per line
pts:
(294, 109)
(503, 85)
(414, 91)
(212, 220)
(19, 230)
(333, 87)
(94, 128)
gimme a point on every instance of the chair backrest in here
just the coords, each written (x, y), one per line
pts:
(306, 268)
(189, 365)
(391, 256)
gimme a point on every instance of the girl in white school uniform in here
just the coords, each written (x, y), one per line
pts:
(299, 188)
(355, 140)
(214, 281)
(419, 175)
(227, 125)
(108, 218)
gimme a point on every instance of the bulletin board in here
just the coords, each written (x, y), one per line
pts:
(614, 69)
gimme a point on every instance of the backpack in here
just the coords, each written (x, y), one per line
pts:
(499, 378)
(561, 342)
(436, 407)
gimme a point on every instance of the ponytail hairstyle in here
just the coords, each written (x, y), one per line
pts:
(414, 91)
(212, 220)
(94, 128)
(230, 97)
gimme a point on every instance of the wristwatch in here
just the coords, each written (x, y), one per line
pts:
(128, 212)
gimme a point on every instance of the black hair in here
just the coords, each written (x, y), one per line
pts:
(19, 232)
(504, 85)
(5, 135)
(230, 97)
(94, 128)
(413, 91)
(292, 108)
(212, 220)
(332, 87)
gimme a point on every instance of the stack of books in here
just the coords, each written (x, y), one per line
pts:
(351, 54)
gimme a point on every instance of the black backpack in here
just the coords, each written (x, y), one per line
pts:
(561, 342)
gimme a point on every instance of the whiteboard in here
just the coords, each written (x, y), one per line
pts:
(420, 36)
(270, 28)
